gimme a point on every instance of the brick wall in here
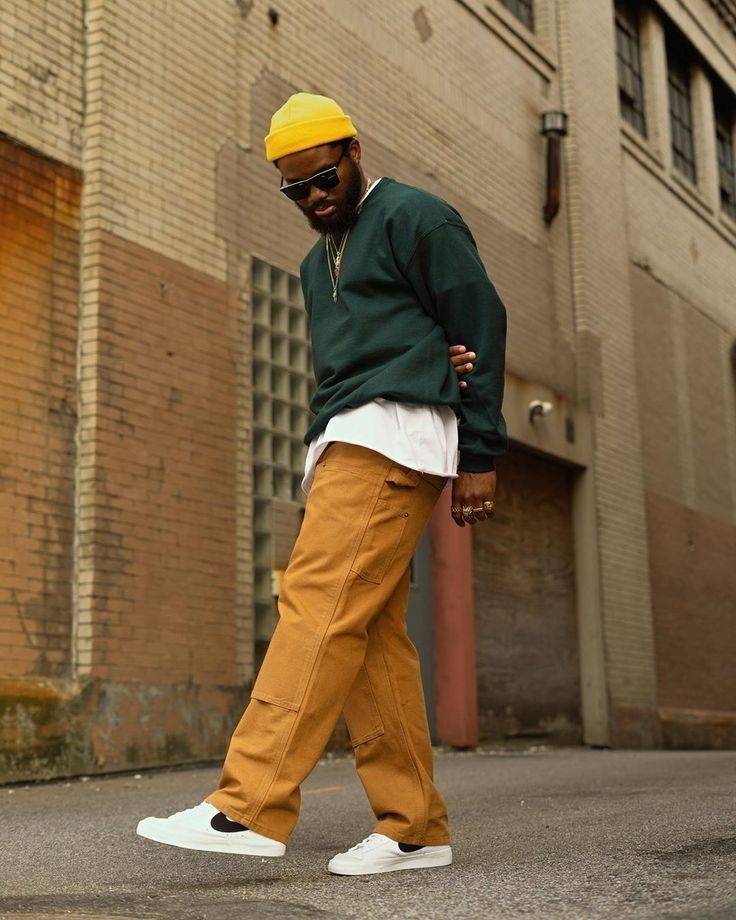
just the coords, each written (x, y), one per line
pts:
(523, 578)
(601, 302)
(682, 277)
(39, 281)
(41, 76)
(39, 242)
(162, 108)
(164, 526)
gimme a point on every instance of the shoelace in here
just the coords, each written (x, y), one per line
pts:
(362, 843)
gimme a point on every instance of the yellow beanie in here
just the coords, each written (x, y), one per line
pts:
(304, 121)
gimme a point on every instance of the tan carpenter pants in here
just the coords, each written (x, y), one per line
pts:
(341, 645)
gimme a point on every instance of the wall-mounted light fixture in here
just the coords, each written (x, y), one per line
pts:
(539, 408)
(554, 126)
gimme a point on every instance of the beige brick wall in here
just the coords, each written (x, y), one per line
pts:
(41, 75)
(160, 88)
(681, 243)
(601, 303)
(683, 277)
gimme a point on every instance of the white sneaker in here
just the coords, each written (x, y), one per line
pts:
(378, 853)
(205, 828)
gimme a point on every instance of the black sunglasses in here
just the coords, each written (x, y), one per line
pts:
(324, 180)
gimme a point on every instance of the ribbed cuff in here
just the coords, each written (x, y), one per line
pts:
(470, 465)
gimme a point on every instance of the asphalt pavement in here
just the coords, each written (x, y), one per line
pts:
(537, 833)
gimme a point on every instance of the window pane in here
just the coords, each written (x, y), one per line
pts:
(724, 102)
(726, 166)
(680, 105)
(628, 54)
(523, 10)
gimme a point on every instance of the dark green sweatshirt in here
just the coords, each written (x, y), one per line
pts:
(411, 284)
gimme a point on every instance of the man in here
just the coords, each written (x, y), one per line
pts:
(394, 276)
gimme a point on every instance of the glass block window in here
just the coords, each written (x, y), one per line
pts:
(523, 10)
(283, 385)
(681, 112)
(628, 58)
(725, 118)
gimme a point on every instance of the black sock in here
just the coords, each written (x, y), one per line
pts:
(223, 824)
(410, 847)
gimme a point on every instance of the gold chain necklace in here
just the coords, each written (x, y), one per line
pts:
(335, 252)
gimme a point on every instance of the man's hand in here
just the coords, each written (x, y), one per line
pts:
(472, 497)
(473, 494)
(462, 362)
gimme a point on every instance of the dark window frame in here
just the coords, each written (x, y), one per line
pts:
(679, 93)
(522, 9)
(724, 113)
(628, 62)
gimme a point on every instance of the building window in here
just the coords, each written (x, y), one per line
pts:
(628, 56)
(283, 385)
(523, 10)
(681, 111)
(724, 115)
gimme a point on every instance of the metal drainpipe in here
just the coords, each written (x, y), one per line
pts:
(454, 628)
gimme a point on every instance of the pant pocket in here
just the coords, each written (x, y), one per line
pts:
(282, 678)
(362, 716)
(380, 542)
(387, 524)
(335, 520)
(403, 477)
(257, 694)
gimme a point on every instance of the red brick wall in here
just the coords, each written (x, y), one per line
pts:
(39, 252)
(694, 597)
(687, 409)
(165, 522)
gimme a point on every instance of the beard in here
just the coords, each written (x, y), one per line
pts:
(345, 214)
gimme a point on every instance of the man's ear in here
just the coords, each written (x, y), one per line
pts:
(354, 150)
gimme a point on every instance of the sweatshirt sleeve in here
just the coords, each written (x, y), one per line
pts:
(447, 273)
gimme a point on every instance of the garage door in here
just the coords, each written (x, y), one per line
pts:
(523, 579)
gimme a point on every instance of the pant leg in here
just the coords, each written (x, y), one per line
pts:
(388, 692)
(363, 519)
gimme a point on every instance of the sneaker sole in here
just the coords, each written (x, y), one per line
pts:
(236, 847)
(432, 861)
